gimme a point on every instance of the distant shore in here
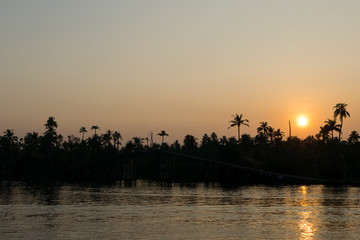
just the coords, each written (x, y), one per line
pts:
(266, 158)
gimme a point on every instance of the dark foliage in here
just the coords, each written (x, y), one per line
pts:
(50, 156)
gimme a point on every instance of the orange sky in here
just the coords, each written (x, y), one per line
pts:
(185, 67)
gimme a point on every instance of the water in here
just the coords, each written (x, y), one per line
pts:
(152, 211)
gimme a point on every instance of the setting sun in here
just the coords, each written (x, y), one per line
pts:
(302, 121)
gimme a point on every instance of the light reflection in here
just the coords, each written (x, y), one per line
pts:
(306, 228)
(303, 190)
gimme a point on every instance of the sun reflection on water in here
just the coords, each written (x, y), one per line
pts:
(303, 190)
(306, 227)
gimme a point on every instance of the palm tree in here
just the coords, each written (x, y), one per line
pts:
(83, 131)
(138, 142)
(10, 137)
(323, 133)
(332, 126)
(263, 128)
(238, 121)
(116, 137)
(9, 142)
(107, 137)
(95, 127)
(278, 135)
(271, 133)
(340, 110)
(353, 137)
(162, 134)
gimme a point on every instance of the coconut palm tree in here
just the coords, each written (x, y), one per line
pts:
(340, 110)
(95, 127)
(83, 131)
(271, 133)
(116, 137)
(324, 133)
(106, 137)
(278, 135)
(238, 121)
(354, 137)
(162, 134)
(332, 126)
(138, 142)
(9, 143)
(10, 137)
(263, 128)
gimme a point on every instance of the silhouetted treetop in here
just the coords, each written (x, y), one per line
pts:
(83, 131)
(354, 137)
(162, 133)
(238, 121)
(95, 127)
(341, 112)
(332, 126)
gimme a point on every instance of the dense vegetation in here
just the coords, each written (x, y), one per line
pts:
(50, 156)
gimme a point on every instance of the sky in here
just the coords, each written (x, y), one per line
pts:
(180, 66)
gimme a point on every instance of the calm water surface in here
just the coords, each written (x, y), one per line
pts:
(153, 211)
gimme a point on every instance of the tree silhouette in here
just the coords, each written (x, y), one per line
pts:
(340, 110)
(116, 137)
(9, 141)
(138, 142)
(246, 139)
(95, 127)
(223, 140)
(10, 137)
(214, 138)
(354, 137)
(31, 141)
(205, 140)
(106, 137)
(332, 126)
(323, 133)
(72, 140)
(175, 146)
(134, 145)
(263, 128)
(278, 135)
(310, 140)
(262, 132)
(51, 138)
(190, 143)
(238, 121)
(271, 133)
(50, 126)
(162, 134)
(83, 131)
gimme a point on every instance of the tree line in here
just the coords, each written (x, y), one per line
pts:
(323, 155)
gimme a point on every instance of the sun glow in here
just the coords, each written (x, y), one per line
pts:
(302, 121)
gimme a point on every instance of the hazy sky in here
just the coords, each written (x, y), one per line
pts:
(182, 66)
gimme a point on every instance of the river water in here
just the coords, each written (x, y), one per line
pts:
(154, 211)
